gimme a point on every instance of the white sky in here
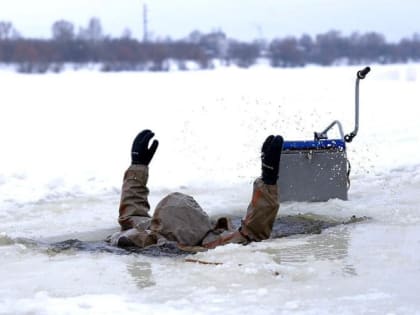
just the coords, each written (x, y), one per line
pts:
(242, 19)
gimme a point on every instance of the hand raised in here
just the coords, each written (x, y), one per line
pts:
(270, 159)
(140, 151)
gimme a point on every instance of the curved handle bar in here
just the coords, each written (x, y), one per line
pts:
(362, 73)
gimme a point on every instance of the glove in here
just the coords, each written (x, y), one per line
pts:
(140, 151)
(270, 158)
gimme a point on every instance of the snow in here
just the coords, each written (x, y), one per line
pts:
(65, 144)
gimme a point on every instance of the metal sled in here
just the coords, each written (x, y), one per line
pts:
(318, 170)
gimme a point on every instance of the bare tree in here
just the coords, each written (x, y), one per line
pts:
(126, 34)
(63, 30)
(244, 54)
(286, 53)
(93, 32)
(7, 31)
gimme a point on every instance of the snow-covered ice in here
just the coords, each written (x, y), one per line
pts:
(65, 143)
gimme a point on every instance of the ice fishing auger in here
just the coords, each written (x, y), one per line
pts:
(318, 170)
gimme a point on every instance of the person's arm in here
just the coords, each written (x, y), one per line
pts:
(263, 208)
(134, 206)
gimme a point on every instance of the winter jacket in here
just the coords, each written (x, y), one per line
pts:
(179, 218)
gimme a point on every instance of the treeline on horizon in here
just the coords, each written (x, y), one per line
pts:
(90, 45)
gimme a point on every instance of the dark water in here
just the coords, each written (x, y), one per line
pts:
(283, 227)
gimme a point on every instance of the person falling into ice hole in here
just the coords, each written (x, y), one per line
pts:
(179, 219)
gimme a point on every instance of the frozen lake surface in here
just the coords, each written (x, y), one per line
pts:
(65, 144)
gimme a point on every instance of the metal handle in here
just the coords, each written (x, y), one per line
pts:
(323, 134)
(362, 73)
(360, 76)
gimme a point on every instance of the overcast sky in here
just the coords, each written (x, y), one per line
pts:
(241, 19)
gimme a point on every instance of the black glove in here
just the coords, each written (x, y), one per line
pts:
(270, 158)
(140, 152)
